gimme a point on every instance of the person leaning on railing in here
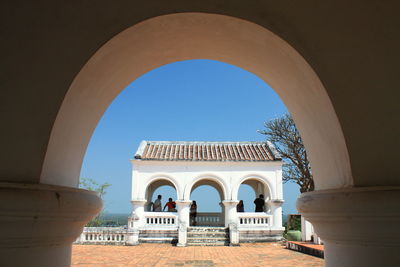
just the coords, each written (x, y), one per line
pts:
(260, 203)
(171, 205)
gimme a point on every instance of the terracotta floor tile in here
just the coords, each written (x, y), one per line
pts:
(247, 255)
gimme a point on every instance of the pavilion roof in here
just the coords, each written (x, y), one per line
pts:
(207, 151)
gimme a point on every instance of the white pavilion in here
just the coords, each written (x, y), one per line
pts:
(222, 165)
(186, 166)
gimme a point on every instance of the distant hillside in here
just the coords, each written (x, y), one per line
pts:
(114, 219)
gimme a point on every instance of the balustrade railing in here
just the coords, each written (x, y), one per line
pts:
(115, 235)
(209, 219)
(161, 218)
(254, 219)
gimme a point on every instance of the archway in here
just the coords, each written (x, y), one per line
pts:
(176, 37)
(257, 187)
(204, 217)
(155, 188)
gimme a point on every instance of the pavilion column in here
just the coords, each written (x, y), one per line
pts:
(359, 226)
(137, 216)
(38, 223)
(230, 212)
(183, 207)
(135, 221)
(275, 206)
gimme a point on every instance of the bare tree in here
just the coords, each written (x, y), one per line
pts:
(282, 132)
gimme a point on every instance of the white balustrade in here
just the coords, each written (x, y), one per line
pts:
(254, 219)
(101, 235)
(209, 219)
(161, 219)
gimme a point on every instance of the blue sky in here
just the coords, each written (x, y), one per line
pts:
(194, 100)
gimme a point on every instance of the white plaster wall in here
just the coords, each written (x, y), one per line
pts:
(184, 174)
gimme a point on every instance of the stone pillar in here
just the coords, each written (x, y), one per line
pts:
(38, 223)
(359, 226)
(230, 212)
(276, 210)
(183, 207)
(137, 216)
(132, 237)
(306, 230)
(234, 234)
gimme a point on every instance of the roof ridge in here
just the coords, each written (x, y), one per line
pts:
(202, 142)
(153, 150)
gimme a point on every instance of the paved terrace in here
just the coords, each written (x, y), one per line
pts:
(255, 254)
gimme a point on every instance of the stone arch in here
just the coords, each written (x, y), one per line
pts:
(158, 181)
(164, 179)
(267, 184)
(216, 180)
(176, 37)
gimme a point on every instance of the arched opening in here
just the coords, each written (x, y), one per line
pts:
(170, 38)
(160, 187)
(208, 195)
(249, 190)
(163, 40)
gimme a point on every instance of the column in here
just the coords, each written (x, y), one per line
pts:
(183, 207)
(135, 221)
(137, 216)
(306, 230)
(230, 211)
(359, 226)
(276, 210)
(38, 223)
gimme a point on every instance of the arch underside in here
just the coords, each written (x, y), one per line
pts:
(170, 38)
(258, 187)
(207, 182)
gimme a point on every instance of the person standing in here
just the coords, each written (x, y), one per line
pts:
(193, 213)
(240, 206)
(157, 204)
(260, 203)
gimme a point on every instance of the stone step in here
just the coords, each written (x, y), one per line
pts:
(158, 240)
(206, 240)
(157, 234)
(207, 234)
(207, 229)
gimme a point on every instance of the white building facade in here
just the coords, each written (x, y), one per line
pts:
(222, 165)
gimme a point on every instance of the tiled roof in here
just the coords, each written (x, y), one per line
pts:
(207, 151)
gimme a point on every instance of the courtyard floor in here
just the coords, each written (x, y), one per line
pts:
(254, 254)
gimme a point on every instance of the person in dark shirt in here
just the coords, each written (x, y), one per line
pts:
(240, 206)
(260, 203)
(193, 213)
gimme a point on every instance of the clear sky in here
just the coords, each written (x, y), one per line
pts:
(194, 100)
